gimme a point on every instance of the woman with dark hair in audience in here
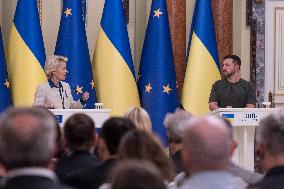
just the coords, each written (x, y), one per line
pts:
(142, 145)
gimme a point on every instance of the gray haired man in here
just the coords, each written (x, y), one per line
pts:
(270, 150)
(175, 124)
(27, 145)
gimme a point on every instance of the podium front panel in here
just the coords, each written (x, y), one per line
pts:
(244, 121)
(98, 115)
(245, 116)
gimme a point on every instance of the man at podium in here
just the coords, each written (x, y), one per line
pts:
(55, 93)
(232, 91)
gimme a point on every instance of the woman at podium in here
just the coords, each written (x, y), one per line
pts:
(55, 93)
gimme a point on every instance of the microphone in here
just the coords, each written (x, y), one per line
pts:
(231, 88)
(61, 90)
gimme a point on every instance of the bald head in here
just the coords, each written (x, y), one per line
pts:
(206, 144)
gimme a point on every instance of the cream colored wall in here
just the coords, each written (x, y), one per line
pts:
(50, 23)
(8, 7)
(241, 36)
(139, 13)
(1, 10)
(274, 53)
(189, 12)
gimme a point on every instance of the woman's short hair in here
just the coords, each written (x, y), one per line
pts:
(51, 64)
(140, 118)
(176, 123)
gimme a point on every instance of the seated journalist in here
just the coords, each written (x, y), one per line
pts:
(55, 93)
(232, 91)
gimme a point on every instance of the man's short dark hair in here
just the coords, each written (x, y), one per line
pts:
(79, 132)
(235, 58)
(134, 174)
(113, 130)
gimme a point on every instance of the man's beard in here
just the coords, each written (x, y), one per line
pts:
(228, 75)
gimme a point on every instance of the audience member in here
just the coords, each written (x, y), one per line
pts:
(176, 123)
(140, 118)
(270, 149)
(245, 176)
(136, 175)
(27, 145)
(205, 153)
(142, 145)
(79, 135)
(112, 132)
(60, 149)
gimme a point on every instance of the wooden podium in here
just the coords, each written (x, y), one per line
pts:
(244, 121)
(98, 115)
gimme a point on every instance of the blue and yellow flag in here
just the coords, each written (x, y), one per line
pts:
(157, 77)
(72, 43)
(25, 53)
(202, 64)
(5, 96)
(112, 63)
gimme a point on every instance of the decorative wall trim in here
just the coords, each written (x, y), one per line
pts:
(249, 12)
(257, 23)
(278, 50)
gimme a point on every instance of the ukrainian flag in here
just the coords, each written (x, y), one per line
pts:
(5, 96)
(202, 64)
(157, 81)
(25, 53)
(112, 63)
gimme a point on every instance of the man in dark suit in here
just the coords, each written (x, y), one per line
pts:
(270, 150)
(112, 132)
(79, 134)
(27, 145)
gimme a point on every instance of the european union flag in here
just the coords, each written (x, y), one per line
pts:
(72, 43)
(157, 82)
(202, 58)
(5, 96)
